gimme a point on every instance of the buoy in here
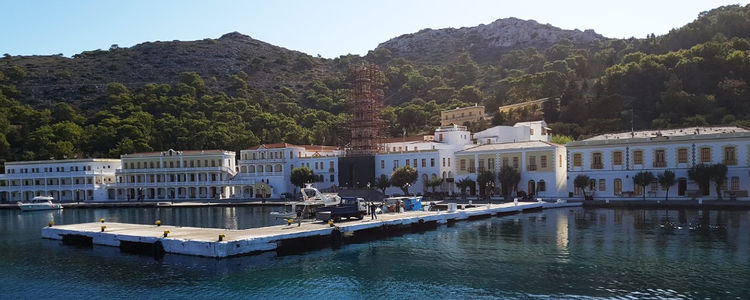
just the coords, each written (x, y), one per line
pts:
(166, 232)
(51, 223)
(221, 237)
(101, 220)
(103, 227)
(158, 222)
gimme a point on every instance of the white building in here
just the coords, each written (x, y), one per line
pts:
(520, 132)
(611, 161)
(174, 175)
(542, 165)
(265, 170)
(65, 180)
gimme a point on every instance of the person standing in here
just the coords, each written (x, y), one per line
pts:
(373, 214)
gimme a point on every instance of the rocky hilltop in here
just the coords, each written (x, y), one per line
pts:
(486, 43)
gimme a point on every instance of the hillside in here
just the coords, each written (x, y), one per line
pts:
(485, 43)
(50, 79)
(235, 92)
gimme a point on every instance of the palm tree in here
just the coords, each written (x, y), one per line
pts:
(643, 178)
(434, 182)
(509, 179)
(718, 175)
(667, 180)
(382, 183)
(463, 184)
(701, 175)
(581, 182)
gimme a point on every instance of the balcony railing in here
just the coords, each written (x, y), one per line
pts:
(597, 166)
(660, 164)
(730, 162)
(531, 167)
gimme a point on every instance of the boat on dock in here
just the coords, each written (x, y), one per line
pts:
(39, 203)
(312, 199)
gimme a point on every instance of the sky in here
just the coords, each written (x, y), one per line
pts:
(329, 28)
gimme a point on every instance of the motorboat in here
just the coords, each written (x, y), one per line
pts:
(311, 198)
(39, 203)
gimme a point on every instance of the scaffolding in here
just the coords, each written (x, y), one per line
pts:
(367, 95)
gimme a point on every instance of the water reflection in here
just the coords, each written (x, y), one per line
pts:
(553, 253)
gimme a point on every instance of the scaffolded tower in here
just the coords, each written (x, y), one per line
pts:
(367, 96)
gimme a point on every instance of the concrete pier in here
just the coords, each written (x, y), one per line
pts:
(205, 241)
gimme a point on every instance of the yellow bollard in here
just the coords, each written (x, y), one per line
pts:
(101, 220)
(289, 221)
(166, 233)
(51, 223)
(103, 227)
(221, 237)
(330, 222)
(158, 222)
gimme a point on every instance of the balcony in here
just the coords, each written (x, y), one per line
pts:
(730, 162)
(660, 164)
(531, 167)
(597, 166)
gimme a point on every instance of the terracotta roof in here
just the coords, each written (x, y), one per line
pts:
(320, 148)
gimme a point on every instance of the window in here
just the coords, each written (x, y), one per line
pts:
(491, 164)
(682, 155)
(333, 177)
(637, 190)
(406, 161)
(532, 163)
(449, 161)
(735, 183)
(602, 185)
(638, 157)
(481, 165)
(617, 158)
(543, 161)
(382, 164)
(559, 161)
(395, 164)
(462, 165)
(654, 185)
(660, 158)
(472, 168)
(577, 160)
(424, 163)
(531, 131)
(596, 160)
(729, 156)
(414, 162)
(440, 137)
(432, 162)
(505, 161)
(705, 154)
(541, 186)
(515, 162)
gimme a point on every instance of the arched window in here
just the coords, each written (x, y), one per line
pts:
(531, 187)
(251, 169)
(260, 169)
(278, 168)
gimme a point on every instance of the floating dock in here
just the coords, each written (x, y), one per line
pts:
(220, 243)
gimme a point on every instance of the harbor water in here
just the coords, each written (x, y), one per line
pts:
(557, 253)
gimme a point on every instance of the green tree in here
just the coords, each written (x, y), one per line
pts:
(643, 179)
(464, 184)
(509, 178)
(300, 176)
(718, 176)
(582, 182)
(404, 177)
(701, 174)
(434, 182)
(667, 180)
(561, 139)
(382, 183)
(485, 180)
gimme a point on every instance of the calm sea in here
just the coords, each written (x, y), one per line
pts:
(562, 253)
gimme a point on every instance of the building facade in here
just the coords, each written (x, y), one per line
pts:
(174, 175)
(611, 161)
(461, 115)
(542, 165)
(65, 180)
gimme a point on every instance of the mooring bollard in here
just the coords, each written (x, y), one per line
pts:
(289, 222)
(330, 222)
(51, 223)
(166, 233)
(158, 223)
(103, 227)
(221, 237)
(101, 220)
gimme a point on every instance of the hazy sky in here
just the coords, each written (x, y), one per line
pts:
(329, 28)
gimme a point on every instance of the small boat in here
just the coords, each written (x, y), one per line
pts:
(39, 203)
